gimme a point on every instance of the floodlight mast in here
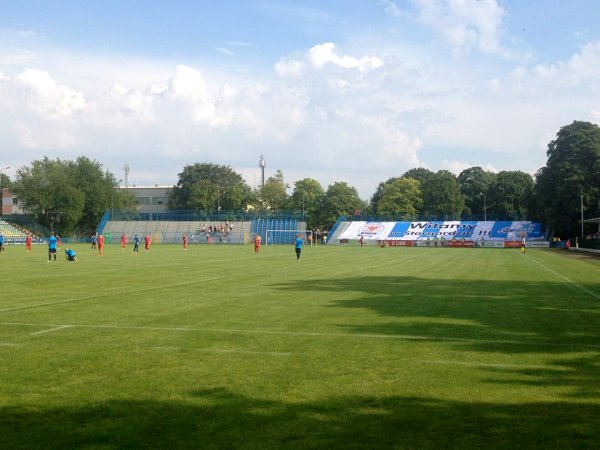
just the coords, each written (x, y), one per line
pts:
(262, 164)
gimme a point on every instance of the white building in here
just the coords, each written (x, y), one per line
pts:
(150, 199)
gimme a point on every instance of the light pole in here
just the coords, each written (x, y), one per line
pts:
(112, 200)
(219, 200)
(1, 193)
(581, 198)
(484, 208)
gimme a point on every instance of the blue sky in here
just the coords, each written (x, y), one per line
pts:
(355, 91)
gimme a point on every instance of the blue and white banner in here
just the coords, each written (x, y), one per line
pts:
(467, 230)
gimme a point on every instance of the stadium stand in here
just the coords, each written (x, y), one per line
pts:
(12, 234)
(233, 227)
(276, 230)
(171, 232)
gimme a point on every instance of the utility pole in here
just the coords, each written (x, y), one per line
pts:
(581, 198)
(261, 164)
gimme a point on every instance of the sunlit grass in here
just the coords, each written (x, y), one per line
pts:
(349, 348)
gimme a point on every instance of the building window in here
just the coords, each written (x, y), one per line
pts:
(159, 200)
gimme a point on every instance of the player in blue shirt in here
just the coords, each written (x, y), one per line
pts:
(52, 242)
(1, 242)
(136, 244)
(298, 247)
(71, 256)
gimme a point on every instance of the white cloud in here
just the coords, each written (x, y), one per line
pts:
(188, 83)
(323, 54)
(133, 101)
(392, 8)
(456, 167)
(464, 24)
(46, 97)
(289, 68)
(580, 74)
(225, 51)
(334, 111)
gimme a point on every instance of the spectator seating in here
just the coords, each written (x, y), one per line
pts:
(11, 233)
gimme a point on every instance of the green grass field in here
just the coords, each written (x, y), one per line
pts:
(351, 347)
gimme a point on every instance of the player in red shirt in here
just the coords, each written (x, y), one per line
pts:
(185, 241)
(101, 244)
(123, 241)
(147, 242)
(257, 240)
(28, 240)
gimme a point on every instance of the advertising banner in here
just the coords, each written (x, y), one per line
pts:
(444, 230)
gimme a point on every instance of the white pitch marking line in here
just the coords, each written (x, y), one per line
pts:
(405, 337)
(108, 294)
(212, 350)
(478, 364)
(50, 330)
(6, 344)
(568, 280)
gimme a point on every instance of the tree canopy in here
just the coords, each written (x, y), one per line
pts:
(67, 195)
(474, 185)
(401, 199)
(273, 195)
(442, 198)
(572, 170)
(511, 194)
(308, 196)
(207, 186)
(340, 199)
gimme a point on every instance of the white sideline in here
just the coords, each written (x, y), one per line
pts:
(49, 330)
(568, 280)
(212, 350)
(405, 337)
(478, 364)
(108, 294)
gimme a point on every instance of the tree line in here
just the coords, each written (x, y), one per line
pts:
(75, 194)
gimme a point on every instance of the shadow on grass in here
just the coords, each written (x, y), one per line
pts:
(221, 419)
(488, 314)
(485, 316)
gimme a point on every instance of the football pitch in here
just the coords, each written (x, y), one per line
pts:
(217, 347)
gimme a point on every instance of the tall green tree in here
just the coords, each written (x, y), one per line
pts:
(511, 195)
(401, 199)
(419, 173)
(68, 195)
(209, 186)
(307, 197)
(47, 191)
(340, 199)
(273, 195)
(474, 184)
(376, 197)
(572, 170)
(99, 189)
(442, 198)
